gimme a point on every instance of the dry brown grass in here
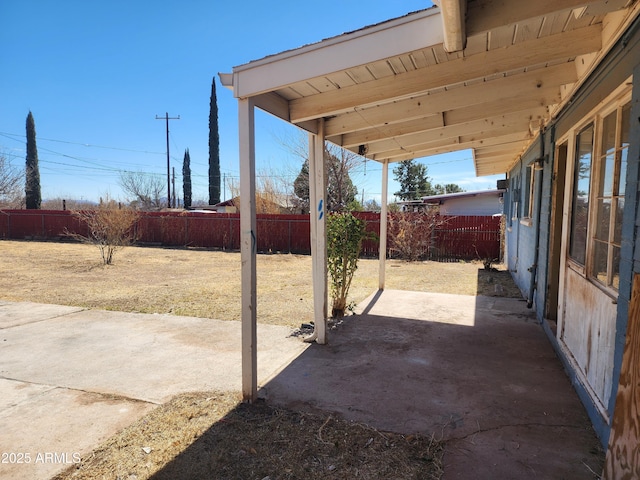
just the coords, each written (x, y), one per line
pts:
(206, 283)
(210, 436)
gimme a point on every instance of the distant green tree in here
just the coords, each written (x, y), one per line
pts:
(214, 148)
(186, 179)
(32, 173)
(341, 193)
(301, 187)
(413, 180)
(448, 188)
(354, 206)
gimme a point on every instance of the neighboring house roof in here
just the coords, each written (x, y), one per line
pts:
(476, 74)
(483, 202)
(226, 203)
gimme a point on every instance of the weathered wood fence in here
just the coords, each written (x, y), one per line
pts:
(460, 237)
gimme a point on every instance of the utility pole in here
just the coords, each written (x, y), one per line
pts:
(167, 118)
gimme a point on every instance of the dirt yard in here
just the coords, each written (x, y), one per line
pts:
(205, 283)
(210, 434)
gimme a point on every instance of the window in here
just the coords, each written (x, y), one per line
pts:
(609, 196)
(599, 176)
(580, 198)
(530, 175)
(514, 185)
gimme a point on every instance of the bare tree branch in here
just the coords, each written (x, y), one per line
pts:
(11, 180)
(146, 189)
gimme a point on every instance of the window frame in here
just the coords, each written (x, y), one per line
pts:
(599, 194)
(580, 264)
(528, 184)
(614, 103)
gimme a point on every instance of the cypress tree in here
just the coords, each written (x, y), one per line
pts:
(214, 148)
(32, 173)
(186, 179)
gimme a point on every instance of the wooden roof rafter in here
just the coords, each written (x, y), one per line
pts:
(503, 69)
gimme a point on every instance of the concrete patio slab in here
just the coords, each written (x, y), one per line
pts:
(475, 372)
(12, 314)
(70, 378)
(44, 433)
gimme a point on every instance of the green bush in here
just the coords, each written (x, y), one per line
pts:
(344, 242)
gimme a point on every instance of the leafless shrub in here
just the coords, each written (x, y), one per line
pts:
(410, 234)
(11, 183)
(109, 227)
(144, 189)
(271, 196)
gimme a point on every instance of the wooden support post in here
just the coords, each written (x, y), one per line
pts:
(382, 254)
(317, 203)
(248, 248)
(623, 455)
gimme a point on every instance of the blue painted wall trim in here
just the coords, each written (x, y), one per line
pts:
(616, 67)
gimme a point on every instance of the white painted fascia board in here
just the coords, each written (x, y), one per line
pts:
(226, 79)
(395, 37)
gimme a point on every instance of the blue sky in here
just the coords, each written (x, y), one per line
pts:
(95, 75)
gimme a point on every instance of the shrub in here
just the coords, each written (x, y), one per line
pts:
(109, 227)
(410, 234)
(344, 242)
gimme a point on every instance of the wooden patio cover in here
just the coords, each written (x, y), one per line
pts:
(485, 75)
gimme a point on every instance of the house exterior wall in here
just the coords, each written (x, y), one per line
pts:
(472, 206)
(591, 328)
(521, 221)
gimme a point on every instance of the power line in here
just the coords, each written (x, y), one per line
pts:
(10, 135)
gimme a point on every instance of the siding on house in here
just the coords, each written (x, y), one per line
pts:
(480, 203)
(521, 227)
(590, 341)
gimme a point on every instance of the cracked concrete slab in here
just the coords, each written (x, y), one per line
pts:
(475, 372)
(145, 357)
(70, 377)
(44, 433)
(13, 314)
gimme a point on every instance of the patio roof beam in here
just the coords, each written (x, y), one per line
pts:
(364, 122)
(510, 122)
(458, 142)
(484, 15)
(540, 51)
(462, 143)
(496, 165)
(453, 20)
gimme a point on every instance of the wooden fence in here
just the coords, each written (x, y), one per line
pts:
(455, 237)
